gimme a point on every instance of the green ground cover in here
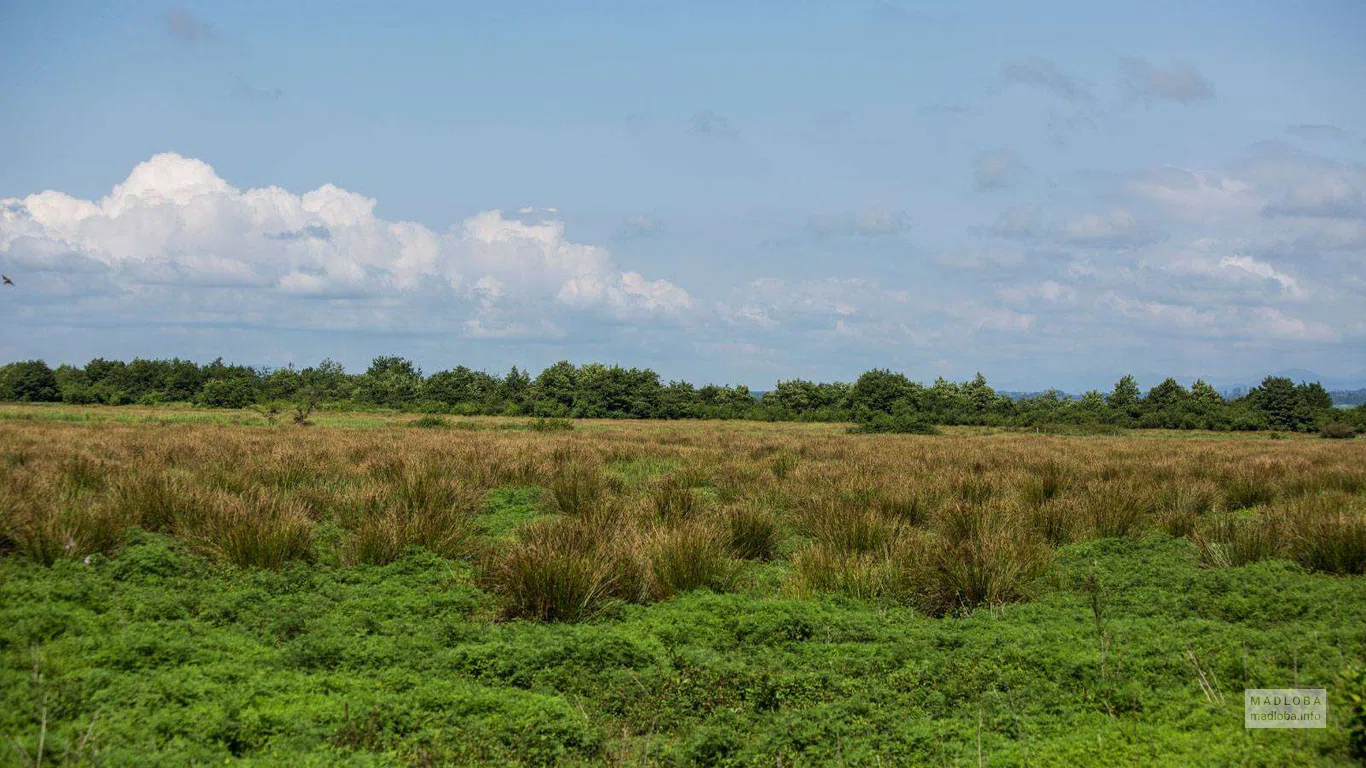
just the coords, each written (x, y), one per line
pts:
(154, 656)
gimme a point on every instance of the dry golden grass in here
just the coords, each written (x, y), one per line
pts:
(644, 510)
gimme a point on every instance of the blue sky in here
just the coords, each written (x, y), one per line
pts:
(1054, 194)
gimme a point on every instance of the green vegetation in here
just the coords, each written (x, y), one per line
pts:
(156, 657)
(670, 594)
(879, 401)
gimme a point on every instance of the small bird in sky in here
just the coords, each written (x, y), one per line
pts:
(7, 280)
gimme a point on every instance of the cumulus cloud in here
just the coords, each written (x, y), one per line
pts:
(1041, 73)
(1148, 82)
(995, 169)
(175, 222)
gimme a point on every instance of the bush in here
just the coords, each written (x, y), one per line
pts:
(551, 424)
(429, 422)
(894, 424)
(1338, 431)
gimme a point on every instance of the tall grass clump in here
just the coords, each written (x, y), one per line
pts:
(1247, 489)
(687, 557)
(672, 501)
(1328, 533)
(977, 555)
(49, 530)
(555, 570)
(1180, 508)
(257, 529)
(1045, 484)
(824, 568)
(1232, 539)
(847, 527)
(1117, 509)
(427, 508)
(577, 489)
(754, 533)
(152, 500)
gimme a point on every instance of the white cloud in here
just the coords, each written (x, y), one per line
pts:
(1261, 269)
(174, 221)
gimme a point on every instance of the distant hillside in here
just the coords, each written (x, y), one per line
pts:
(1348, 396)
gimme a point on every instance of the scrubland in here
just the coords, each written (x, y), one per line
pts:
(500, 591)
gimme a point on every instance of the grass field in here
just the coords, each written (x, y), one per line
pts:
(182, 587)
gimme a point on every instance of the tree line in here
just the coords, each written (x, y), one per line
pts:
(878, 397)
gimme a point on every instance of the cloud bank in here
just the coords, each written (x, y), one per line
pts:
(160, 241)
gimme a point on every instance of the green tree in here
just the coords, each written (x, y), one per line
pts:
(227, 392)
(880, 390)
(30, 381)
(391, 381)
(515, 391)
(1314, 396)
(553, 390)
(1124, 399)
(1280, 403)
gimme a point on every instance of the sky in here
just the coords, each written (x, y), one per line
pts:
(1054, 194)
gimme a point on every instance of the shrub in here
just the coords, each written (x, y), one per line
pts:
(429, 422)
(1338, 431)
(897, 424)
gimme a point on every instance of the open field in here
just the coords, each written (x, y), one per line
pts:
(189, 587)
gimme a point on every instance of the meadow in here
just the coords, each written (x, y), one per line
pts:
(185, 587)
